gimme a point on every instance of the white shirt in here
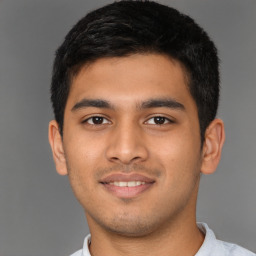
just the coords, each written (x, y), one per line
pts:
(210, 247)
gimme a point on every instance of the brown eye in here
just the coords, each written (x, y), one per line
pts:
(159, 120)
(96, 120)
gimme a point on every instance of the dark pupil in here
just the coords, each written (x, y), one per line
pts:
(97, 120)
(159, 120)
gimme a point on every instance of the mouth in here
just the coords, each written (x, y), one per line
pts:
(127, 183)
(127, 186)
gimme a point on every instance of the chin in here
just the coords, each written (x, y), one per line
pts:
(131, 226)
(130, 230)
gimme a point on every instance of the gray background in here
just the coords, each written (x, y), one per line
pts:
(39, 215)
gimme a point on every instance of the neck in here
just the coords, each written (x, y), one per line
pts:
(182, 240)
(179, 237)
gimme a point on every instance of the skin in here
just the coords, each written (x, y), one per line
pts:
(127, 140)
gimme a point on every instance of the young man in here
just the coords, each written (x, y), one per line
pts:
(135, 92)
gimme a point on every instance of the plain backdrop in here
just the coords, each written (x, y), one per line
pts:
(39, 215)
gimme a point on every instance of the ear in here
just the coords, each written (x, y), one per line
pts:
(56, 143)
(213, 143)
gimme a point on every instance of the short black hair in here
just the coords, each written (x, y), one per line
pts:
(129, 27)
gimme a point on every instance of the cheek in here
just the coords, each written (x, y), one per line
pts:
(179, 153)
(82, 151)
(177, 144)
(82, 157)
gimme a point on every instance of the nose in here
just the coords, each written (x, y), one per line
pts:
(127, 145)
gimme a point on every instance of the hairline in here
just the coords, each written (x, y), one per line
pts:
(74, 71)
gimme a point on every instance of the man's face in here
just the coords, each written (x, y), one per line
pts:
(132, 143)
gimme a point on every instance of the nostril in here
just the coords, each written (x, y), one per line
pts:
(126, 150)
(114, 158)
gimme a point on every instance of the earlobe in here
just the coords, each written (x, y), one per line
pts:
(56, 144)
(213, 144)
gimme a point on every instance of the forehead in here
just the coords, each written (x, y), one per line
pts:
(127, 80)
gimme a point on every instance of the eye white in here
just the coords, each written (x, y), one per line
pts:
(154, 120)
(97, 120)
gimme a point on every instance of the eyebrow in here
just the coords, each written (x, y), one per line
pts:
(157, 103)
(151, 103)
(96, 103)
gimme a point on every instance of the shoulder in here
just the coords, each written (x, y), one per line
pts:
(78, 253)
(85, 250)
(213, 246)
(233, 249)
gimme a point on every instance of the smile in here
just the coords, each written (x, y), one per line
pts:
(127, 184)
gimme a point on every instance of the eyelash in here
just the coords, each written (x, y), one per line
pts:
(86, 121)
(166, 120)
(163, 119)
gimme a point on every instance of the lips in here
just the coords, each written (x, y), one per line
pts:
(127, 178)
(127, 185)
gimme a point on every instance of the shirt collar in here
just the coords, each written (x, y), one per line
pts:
(210, 241)
(207, 246)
